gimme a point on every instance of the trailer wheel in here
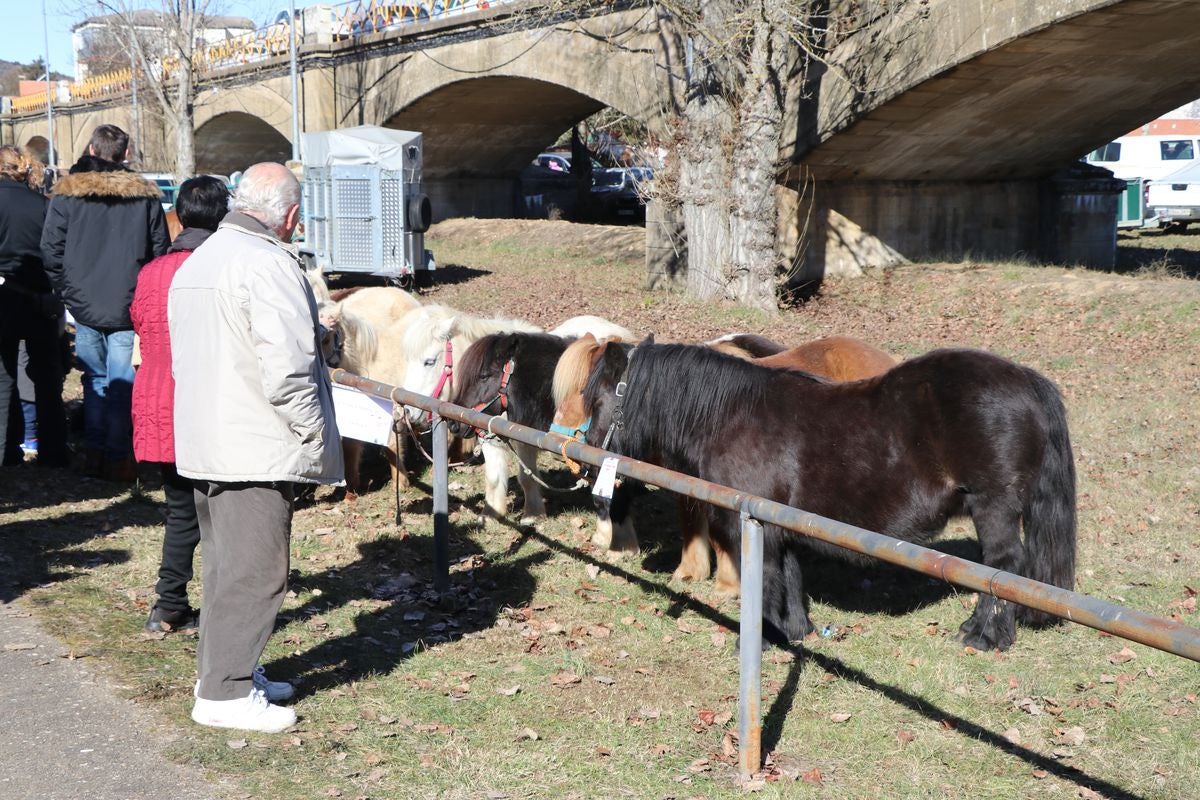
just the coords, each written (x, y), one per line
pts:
(420, 213)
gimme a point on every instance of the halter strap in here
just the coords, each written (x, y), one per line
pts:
(577, 432)
(446, 376)
(618, 415)
(501, 394)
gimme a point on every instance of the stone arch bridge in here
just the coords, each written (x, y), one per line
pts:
(960, 148)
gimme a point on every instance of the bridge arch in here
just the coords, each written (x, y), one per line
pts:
(234, 140)
(39, 146)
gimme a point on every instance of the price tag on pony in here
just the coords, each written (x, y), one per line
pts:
(607, 479)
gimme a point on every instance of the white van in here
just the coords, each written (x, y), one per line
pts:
(1147, 157)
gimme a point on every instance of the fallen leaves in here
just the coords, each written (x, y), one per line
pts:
(1122, 656)
(564, 678)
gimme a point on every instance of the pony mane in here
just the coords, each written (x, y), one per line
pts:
(574, 366)
(360, 345)
(422, 327)
(678, 393)
(320, 288)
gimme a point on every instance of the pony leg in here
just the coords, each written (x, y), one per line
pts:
(535, 506)
(624, 537)
(603, 536)
(495, 477)
(614, 524)
(352, 456)
(394, 452)
(993, 624)
(695, 561)
(727, 583)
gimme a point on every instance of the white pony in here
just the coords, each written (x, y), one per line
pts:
(353, 325)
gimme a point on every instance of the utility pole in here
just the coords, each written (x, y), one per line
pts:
(49, 88)
(295, 81)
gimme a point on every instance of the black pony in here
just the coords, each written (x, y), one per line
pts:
(510, 373)
(953, 432)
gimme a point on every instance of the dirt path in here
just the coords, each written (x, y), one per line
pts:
(66, 735)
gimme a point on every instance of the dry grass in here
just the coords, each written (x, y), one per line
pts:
(405, 694)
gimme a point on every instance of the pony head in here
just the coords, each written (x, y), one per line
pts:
(481, 375)
(434, 337)
(579, 369)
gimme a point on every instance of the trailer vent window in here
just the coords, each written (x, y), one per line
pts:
(1179, 187)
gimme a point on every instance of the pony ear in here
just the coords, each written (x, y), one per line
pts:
(507, 345)
(446, 328)
(649, 339)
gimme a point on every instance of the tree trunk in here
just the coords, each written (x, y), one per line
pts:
(184, 122)
(704, 176)
(728, 152)
(754, 262)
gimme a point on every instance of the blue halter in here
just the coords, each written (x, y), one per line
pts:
(576, 433)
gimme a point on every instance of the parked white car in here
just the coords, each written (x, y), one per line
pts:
(1175, 199)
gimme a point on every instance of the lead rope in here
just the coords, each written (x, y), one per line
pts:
(573, 466)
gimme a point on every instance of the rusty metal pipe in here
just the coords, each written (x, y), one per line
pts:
(1137, 626)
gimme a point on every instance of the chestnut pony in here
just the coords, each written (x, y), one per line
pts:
(954, 432)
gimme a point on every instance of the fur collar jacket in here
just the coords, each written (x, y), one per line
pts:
(103, 223)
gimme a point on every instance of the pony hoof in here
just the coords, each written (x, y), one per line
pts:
(683, 575)
(730, 590)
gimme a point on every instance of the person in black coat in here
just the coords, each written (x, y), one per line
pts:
(103, 223)
(29, 312)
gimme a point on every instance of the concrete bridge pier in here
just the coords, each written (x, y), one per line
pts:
(851, 226)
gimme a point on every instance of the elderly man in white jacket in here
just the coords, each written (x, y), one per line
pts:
(253, 416)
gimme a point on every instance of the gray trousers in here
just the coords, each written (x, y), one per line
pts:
(245, 531)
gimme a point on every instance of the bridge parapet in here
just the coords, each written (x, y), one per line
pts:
(319, 25)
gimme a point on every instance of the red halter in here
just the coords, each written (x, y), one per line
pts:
(446, 376)
(501, 392)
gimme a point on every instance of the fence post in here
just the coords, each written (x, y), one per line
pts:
(750, 649)
(441, 505)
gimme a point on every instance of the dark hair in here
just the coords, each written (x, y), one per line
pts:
(202, 202)
(110, 143)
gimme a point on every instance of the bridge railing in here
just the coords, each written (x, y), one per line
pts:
(348, 21)
(360, 17)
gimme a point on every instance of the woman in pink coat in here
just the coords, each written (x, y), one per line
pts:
(201, 204)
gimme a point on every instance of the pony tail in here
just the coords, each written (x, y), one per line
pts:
(1049, 511)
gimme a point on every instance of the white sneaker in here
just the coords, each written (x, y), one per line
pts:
(276, 691)
(251, 713)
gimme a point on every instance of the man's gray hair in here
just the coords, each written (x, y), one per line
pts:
(266, 191)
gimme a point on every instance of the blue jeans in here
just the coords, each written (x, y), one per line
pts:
(107, 360)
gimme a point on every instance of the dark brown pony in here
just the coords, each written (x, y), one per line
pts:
(838, 358)
(951, 433)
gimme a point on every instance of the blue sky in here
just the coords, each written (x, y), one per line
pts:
(21, 37)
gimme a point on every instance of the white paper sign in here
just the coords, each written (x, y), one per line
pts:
(607, 478)
(361, 416)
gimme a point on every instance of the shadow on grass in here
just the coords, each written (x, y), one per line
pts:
(777, 714)
(44, 550)
(383, 638)
(1177, 252)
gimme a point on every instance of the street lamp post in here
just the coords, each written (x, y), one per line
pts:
(49, 88)
(295, 81)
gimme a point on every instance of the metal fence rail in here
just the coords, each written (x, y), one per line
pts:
(1157, 632)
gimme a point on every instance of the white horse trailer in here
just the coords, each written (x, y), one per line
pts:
(364, 211)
